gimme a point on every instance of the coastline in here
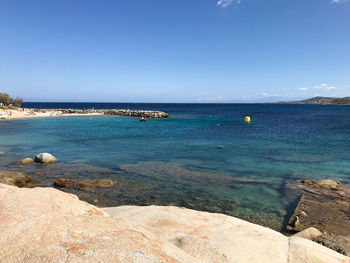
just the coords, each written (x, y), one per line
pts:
(24, 113)
(159, 171)
(29, 113)
(319, 200)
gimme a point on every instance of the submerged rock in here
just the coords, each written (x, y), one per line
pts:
(51, 226)
(25, 161)
(16, 179)
(83, 184)
(45, 158)
(162, 170)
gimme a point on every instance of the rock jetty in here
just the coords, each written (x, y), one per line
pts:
(47, 225)
(137, 113)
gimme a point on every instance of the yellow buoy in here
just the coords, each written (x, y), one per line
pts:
(247, 119)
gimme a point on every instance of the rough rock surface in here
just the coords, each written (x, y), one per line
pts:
(83, 184)
(45, 158)
(16, 178)
(120, 112)
(325, 205)
(25, 161)
(137, 113)
(325, 184)
(310, 233)
(47, 225)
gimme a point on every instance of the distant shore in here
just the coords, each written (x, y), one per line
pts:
(23, 113)
(29, 113)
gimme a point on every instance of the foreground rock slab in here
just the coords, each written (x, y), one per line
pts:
(47, 225)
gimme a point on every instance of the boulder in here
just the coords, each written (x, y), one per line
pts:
(47, 225)
(310, 233)
(45, 158)
(83, 184)
(25, 161)
(16, 179)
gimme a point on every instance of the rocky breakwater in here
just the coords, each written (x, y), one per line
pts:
(137, 113)
(47, 225)
(119, 112)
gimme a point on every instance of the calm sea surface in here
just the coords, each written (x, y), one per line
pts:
(204, 157)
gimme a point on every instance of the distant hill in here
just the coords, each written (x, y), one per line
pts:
(321, 101)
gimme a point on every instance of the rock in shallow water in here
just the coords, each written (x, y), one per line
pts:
(325, 184)
(83, 184)
(25, 161)
(45, 158)
(16, 179)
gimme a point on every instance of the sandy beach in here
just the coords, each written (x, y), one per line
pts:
(28, 113)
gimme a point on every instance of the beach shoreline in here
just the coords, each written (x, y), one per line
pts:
(24, 113)
(29, 113)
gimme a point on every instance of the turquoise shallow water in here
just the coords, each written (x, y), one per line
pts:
(203, 157)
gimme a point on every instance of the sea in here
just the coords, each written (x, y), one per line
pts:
(203, 157)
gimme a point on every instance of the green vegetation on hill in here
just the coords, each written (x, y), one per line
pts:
(7, 102)
(321, 101)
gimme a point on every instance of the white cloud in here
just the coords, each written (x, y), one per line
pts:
(264, 94)
(214, 98)
(338, 1)
(304, 88)
(324, 86)
(225, 3)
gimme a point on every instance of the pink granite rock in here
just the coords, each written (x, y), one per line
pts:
(47, 225)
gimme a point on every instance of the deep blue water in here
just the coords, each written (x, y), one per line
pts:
(186, 159)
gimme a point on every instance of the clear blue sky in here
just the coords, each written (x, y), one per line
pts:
(174, 50)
